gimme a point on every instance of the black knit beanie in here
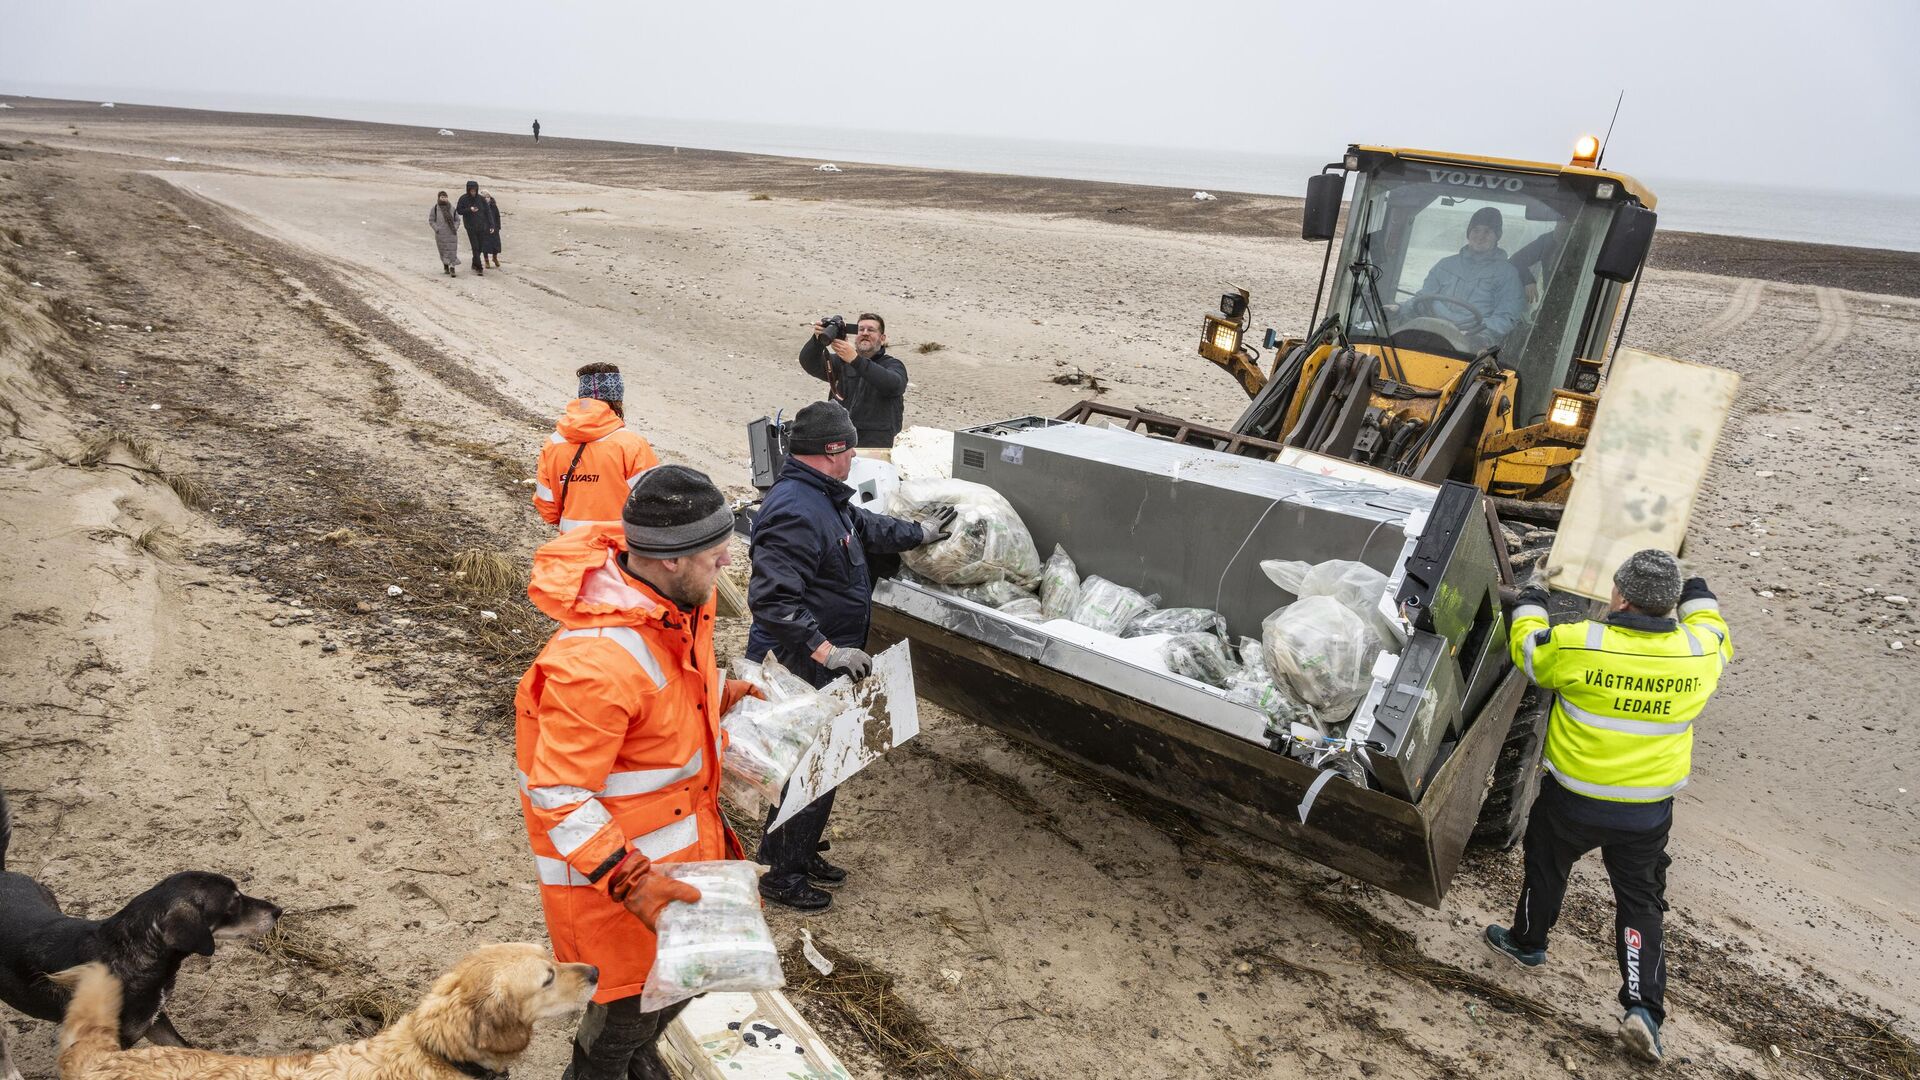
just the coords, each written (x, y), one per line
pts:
(674, 511)
(1650, 580)
(1490, 217)
(821, 428)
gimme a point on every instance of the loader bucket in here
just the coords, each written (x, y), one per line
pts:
(1193, 525)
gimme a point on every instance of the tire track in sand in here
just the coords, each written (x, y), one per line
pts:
(1742, 306)
(1831, 328)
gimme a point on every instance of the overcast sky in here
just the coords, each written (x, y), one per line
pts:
(1823, 94)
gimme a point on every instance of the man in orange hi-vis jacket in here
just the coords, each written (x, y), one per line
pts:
(618, 742)
(592, 459)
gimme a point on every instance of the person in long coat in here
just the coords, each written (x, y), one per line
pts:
(491, 249)
(446, 233)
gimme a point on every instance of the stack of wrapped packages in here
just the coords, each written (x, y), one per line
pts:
(1307, 672)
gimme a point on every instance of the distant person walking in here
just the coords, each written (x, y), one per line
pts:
(536, 131)
(491, 247)
(473, 214)
(446, 233)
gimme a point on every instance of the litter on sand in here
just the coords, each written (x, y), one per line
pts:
(1204, 196)
(827, 167)
(444, 131)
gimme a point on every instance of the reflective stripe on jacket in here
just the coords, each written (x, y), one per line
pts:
(612, 457)
(617, 744)
(1626, 693)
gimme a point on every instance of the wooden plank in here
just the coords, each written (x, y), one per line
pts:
(757, 1036)
(1645, 459)
(729, 599)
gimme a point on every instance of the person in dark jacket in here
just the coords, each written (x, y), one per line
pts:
(491, 246)
(862, 376)
(811, 598)
(472, 211)
(536, 131)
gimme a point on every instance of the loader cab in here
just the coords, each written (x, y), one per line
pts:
(1408, 278)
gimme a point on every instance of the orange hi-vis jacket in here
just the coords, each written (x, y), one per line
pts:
(589, 464)
(617, 739)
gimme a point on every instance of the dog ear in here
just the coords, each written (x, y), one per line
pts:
(184, 929)
(498, 1027)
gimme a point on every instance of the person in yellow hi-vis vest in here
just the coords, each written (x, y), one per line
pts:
(1627, 690)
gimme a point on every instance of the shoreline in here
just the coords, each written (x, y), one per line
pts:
(620, 164)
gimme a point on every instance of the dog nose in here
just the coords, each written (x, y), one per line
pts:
(593, 974)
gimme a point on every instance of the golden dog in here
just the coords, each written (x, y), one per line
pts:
(477, 1018)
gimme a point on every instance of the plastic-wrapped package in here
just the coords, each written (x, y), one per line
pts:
(766, 738)
(1107, 607)
(1178, 620)
(1356, 585)
(779, 684)
(989, 540)
(1059, 584)
(993, 594)
(1201, 657)
(1253, 660)
(1322, 652)
(1026, 607)
(719, 944)
(1259, 691)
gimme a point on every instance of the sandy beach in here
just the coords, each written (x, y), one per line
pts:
(241, 400)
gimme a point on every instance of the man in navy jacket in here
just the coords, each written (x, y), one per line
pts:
(811, 595)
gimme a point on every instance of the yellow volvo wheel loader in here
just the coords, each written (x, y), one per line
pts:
(1447, 381)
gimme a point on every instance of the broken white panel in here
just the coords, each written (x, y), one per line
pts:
(884, 714)
(1637, 480)
(755, 1036)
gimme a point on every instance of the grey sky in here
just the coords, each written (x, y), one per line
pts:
(1822, 94)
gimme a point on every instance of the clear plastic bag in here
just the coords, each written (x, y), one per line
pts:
(989, 542)
(766, 738)
(993, 594)
(1059, 584)
(1178, 620)
(1201, 657)
(1323, 653)
(1356, 585)
(719, 944)
(1107, 607)
(1026, 608)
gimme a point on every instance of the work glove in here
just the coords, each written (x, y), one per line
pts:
(634, 885)
(938, 525)
(854, 662)
(1533, 588)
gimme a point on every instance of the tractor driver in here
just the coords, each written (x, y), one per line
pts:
(1477, 288)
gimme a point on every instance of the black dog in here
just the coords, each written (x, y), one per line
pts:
(143, 944)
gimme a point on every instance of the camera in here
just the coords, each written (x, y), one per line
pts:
(834, 327)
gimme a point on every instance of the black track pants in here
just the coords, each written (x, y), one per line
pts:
(1636, 862)
(475, 239)
(616, 1042)
(789, 848)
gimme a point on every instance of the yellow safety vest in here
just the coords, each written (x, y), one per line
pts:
(1626, 693)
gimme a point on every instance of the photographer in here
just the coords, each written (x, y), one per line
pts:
(859, 375)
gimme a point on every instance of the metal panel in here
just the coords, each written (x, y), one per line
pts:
(1187, 523)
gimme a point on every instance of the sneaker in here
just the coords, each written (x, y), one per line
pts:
(825, 874)
(799, 896)
(1500, 940)
(1641, 1033)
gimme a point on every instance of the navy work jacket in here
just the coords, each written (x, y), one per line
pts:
(810, 578)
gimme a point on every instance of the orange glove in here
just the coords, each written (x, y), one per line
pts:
(644, 894)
